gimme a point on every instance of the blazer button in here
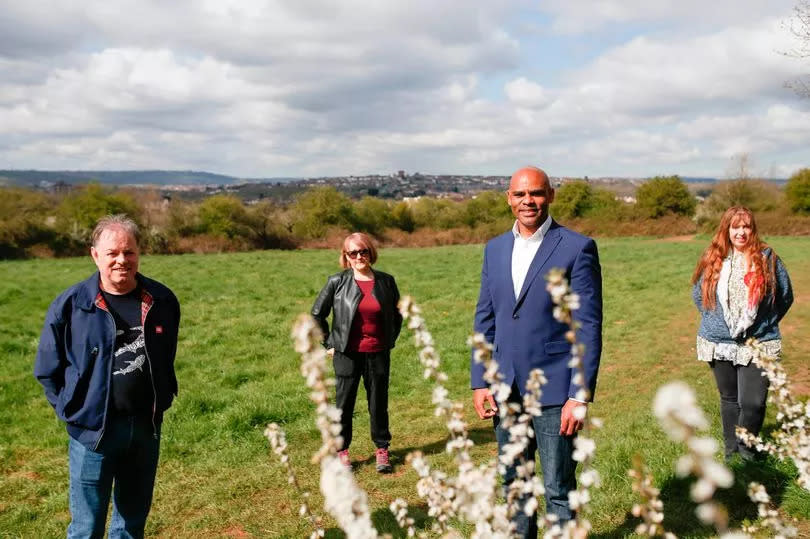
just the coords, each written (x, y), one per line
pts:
(515, 316)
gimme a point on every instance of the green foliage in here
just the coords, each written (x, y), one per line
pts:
(84, 207)
(756, 195)
(661, 195)
(317, 209)
(23, 221)
(402, 217)
(372, 215)
(438, 213)
(572, 199)
(223, 215)
(486, 207)
(797, 191)
(268, 226)
(580, 199)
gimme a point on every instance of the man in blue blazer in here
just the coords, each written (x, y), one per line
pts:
(514, 312)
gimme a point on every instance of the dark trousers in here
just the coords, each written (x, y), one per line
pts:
(556, 461)
(374, 369)
(743, 393)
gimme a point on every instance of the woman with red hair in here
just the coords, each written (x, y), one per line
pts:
(365, 325)
(742, 290)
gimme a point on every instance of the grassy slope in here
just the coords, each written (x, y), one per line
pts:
(237, 372)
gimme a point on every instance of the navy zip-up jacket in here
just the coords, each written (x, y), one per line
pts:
(74, 358)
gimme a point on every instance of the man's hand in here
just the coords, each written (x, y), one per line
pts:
(569, 424)
(482, 396)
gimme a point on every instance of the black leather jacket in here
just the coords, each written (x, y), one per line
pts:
(342, 295)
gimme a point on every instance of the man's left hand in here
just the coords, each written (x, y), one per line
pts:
(569, 424)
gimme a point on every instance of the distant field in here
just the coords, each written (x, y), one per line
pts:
(237, 372)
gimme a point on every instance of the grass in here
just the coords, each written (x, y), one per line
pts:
(237, 372)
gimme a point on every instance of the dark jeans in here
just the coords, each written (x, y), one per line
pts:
(374, 369)
(556, 461)
(743, 393)
(123, 465)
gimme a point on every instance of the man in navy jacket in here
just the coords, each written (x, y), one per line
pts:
(515, 314)
(106, 362)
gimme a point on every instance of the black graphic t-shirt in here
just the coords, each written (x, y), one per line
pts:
(131, 387)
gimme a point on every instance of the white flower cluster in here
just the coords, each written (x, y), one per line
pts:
(676, 408)
(342, 497)
(651, 508)
(345, 500)
(769, 518)
(278, 441)
(399, 508)
(471, 494)
(792, 440)
(566, 302)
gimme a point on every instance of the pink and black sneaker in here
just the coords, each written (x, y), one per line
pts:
(383, 462)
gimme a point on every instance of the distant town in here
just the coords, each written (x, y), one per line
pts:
(397, 185)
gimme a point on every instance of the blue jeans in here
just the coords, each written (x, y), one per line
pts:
(556, 461)
(123, 466)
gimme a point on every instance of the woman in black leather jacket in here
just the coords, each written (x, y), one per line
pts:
(365, 326)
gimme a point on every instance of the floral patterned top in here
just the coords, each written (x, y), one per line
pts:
(739, 354)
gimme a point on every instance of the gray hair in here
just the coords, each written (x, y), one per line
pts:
(119, 220)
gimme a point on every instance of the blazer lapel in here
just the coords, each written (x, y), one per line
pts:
(506, 267)
(550, 241)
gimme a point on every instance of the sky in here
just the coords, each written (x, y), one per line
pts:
(263, 88)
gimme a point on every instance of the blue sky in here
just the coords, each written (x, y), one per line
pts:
(264, 88)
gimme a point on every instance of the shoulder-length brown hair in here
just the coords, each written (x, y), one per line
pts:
(365, 241)
(711, 262)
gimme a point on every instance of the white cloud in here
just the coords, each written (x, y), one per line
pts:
(271, 87)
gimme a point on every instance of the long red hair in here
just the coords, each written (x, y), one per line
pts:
(758, 268)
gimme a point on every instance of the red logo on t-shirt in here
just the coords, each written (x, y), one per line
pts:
(158, 329)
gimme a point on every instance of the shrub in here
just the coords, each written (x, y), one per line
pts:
(661, 195)
(315, 210)
(797, 192)
(757, 195)
(485, 207)
(80, 210)
(402, 217)
(224, 215)
(572, 199)
(372, 215)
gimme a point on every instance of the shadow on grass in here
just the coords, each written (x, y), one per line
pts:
(679, 510)
(385, 523)
(397, 456)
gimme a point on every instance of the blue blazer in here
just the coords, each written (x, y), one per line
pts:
(523, 331)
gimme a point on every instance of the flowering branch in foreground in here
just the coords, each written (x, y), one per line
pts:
(676, 408)
(769, 518)
(278, 441)
(471, 494)
(792, 440)
(566, 301)
(342, 497)
(651, 508)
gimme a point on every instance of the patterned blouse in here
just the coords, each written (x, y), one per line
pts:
(738, 354)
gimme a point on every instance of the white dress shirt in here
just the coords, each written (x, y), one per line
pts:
(523, 253)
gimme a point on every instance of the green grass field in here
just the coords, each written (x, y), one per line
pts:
(237, 372)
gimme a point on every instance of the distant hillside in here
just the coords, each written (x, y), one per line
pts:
(121, 177)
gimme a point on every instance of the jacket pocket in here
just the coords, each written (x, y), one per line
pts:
(557, 347)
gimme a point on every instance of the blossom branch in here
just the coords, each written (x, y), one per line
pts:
(278, 441)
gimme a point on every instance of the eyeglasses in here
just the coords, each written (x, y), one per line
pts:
(354, 254)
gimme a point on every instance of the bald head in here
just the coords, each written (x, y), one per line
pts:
(529, 196)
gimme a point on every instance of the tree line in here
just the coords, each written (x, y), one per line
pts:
(34, 223)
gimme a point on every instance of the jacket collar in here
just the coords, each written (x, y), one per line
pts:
(89, 289)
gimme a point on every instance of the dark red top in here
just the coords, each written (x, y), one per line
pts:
(368, 329)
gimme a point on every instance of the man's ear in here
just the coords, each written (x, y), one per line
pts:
(94, 253)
